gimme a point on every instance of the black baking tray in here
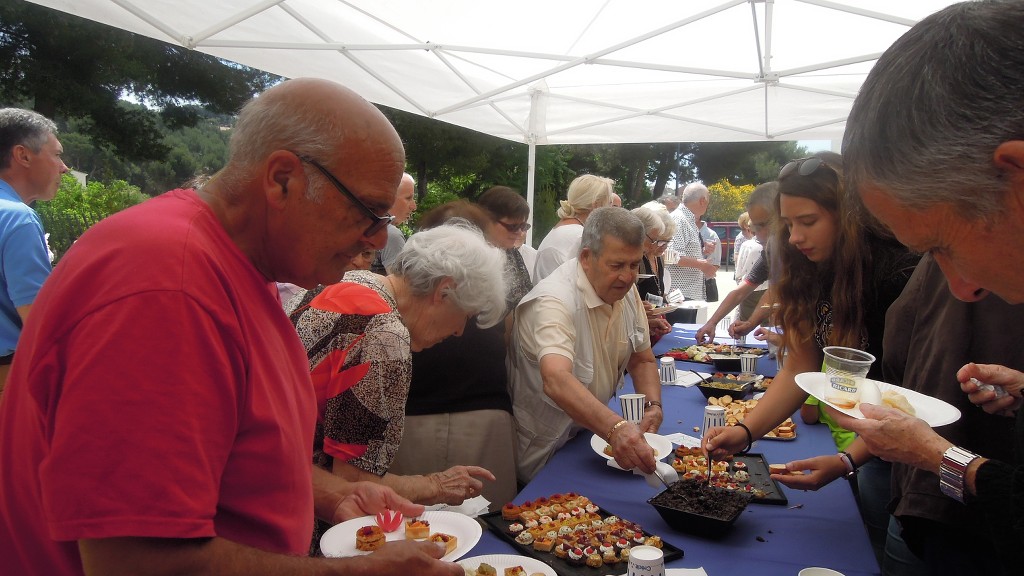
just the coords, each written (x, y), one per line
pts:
(757, 466)
(561, 566)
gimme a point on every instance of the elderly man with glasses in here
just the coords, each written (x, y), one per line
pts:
(162, 419)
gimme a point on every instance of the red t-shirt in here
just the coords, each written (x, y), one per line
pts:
(159, 391)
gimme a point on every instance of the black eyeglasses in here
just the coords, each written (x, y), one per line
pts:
(522, 227)
(658, 243)
(377, 223)
(803, 167)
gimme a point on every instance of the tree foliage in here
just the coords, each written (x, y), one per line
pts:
(64, 66)
(728, 201)
(76, 207)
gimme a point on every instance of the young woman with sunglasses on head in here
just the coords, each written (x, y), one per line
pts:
(839, 272)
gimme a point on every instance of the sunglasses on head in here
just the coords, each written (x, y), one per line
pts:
(803, 167)
(522, 227)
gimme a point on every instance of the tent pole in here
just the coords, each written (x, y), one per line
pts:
(531, 169)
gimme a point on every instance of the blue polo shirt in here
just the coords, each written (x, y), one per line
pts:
(24, 263)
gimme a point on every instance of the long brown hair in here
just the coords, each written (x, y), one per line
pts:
(802, 283)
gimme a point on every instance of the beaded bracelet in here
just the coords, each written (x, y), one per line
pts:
(750, 438)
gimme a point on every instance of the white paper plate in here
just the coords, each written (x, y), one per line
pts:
(932, 410)
(340, 540)
(662, 446)
(502, 561)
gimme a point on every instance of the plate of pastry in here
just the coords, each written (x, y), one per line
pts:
(932, 410)
(364, 535)
(662, 446)
(505, 565)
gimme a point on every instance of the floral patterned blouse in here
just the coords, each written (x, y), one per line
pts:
(361, 364)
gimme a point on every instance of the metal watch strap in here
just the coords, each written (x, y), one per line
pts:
(952, 471)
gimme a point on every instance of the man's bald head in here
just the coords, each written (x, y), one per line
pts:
(315, 118)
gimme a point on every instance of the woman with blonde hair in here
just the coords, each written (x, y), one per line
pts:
(585, 193)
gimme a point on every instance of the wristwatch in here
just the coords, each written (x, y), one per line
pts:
(650, 403)
(952, 470)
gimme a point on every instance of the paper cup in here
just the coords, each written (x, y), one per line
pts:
(646, 561)
(667, 370)
(748, 363)
(714, 416)
(815, 571)
(633, 407)
(846, 369)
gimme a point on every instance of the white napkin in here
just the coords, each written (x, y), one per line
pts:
(684, 440)
(685, 378)
(472, 507)
(684, 572)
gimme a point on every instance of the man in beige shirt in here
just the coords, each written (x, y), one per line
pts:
(573, 336)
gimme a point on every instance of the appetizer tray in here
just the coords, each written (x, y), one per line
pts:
(704, 353)
(564, 566)
(760, 484)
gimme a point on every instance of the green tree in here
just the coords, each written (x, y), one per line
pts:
(75, 208)
(64, 66)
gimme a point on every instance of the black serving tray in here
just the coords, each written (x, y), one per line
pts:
(757, 466)
(561, 566)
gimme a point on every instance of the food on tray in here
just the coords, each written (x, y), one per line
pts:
(515, 571)
(510, 511)
(450, 542)
(369, 538)
(894, 399)
(702, 500)
(417, 529)
(580, 535)
(737, 410)
(701, 353)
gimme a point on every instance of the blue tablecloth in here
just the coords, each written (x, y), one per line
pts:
(767, 540)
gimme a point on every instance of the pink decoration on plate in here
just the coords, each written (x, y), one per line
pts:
(389, 520)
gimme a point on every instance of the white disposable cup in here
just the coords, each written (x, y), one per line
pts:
(632, 407)
(646, 561)
(714, 416)
(670, 256)
(748, 363)
(815, 571)
(846, 369)
(667, 370)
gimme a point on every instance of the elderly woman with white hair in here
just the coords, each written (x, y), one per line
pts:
(359, 336)
(562, 243)
(658, 231)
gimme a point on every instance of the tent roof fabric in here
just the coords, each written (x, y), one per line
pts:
(558, 71)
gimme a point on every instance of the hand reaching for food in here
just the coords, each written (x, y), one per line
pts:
(980, 381)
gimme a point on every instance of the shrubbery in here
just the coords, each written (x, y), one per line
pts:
(77, 207)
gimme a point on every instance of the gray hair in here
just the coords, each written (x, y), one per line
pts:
(653, 225)
(22, 127)
(585, 193)
(611, 221)
(457, 251)
(268, 124)
(763, 196)
(693, 192)
(669, 198)
(662, 212)
(935, 107)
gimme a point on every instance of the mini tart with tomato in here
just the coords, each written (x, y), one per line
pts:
(449, 541)
(369, 538)
(510, 511)
(417, 529)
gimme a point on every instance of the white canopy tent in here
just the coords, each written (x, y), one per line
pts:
(558, 71)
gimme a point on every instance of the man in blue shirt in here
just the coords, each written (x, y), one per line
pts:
(30, 170)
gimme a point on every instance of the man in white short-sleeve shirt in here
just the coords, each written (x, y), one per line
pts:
(573, 336)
